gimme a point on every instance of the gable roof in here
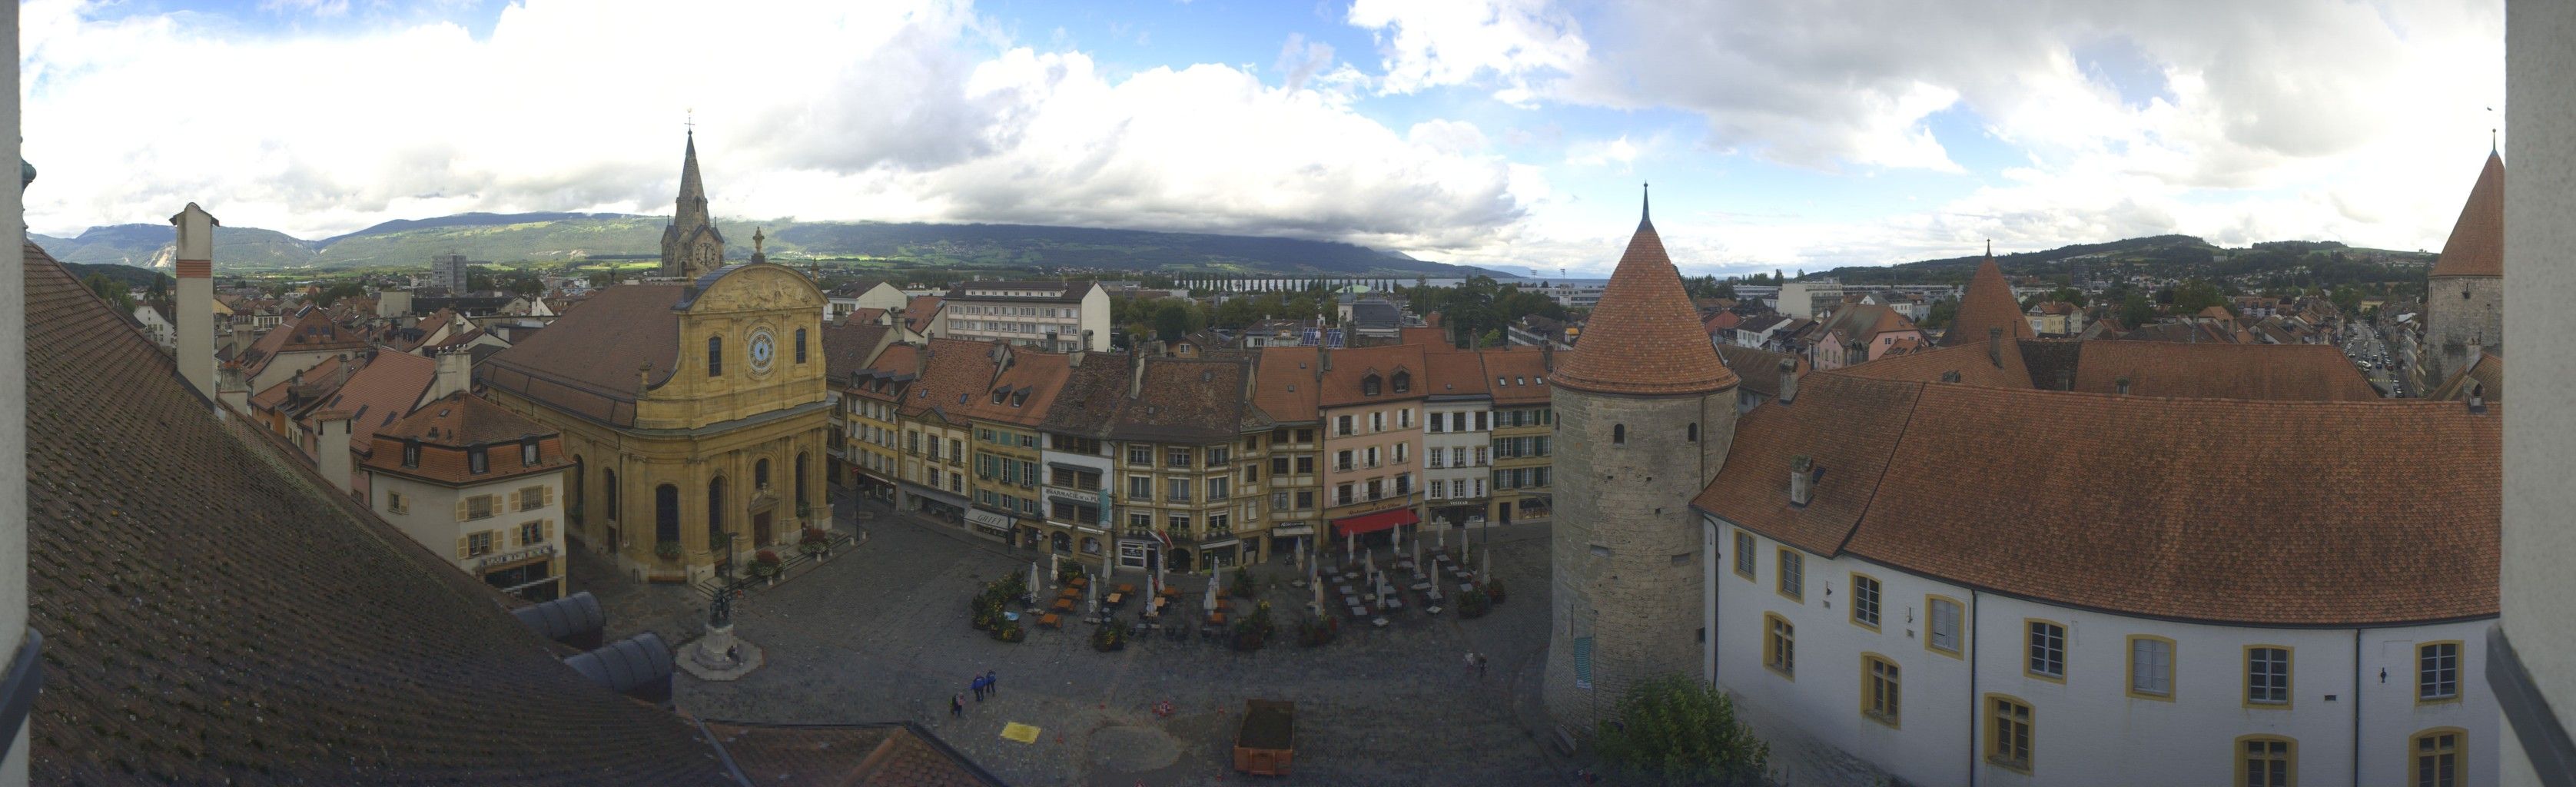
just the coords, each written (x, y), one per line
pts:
(351, 655)
(2484, 378)
(1286, 383)
(2197, 509)
(1520, 374)
(585, 362)
(1186, 400)
(1455, 374)
(446, 427)
(848, 344)
(381, 393)
(1342, 383)
(2476, 245)
(954, 372)
(1643, 337)
(1759, 369)
(1988, 304)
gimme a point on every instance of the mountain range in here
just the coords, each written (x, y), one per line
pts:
(570, 237)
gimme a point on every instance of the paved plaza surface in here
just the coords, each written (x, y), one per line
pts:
(882, 633)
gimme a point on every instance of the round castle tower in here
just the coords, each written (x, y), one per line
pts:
(1644, 414)
(2464, 296)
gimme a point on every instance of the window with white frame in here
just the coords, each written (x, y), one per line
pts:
(2047, 650)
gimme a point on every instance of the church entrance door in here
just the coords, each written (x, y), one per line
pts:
(760, 529)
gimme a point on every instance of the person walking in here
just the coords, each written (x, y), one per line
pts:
(991, 679)
(956, 706)
(1480, 666)
(1471, 661)
(977, 685)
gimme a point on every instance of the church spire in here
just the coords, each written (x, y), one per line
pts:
(693, 191)
(1645, 206)
(691, 244)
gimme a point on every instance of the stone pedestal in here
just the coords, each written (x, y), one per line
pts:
(720, 656)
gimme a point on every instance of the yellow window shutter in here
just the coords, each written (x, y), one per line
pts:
(549, 535)
(461, 547)
(514, 501)
(460, 508)
(550, 496)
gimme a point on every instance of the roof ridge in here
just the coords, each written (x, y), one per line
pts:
(1911, 408)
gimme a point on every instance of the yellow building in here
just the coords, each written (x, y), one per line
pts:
(695, 415)
(1524, 428)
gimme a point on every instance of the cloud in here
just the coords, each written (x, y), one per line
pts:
(919, 111)
(1300, 59)
(1435, 44)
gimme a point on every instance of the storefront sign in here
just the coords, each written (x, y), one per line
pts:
(506, 558)
(1086, 498)
(999, 524)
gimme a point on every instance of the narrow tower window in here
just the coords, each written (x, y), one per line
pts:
(1694, 432)
(1618, 434)
(715, 356)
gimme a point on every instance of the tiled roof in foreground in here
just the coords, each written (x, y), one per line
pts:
(2217, 510)
(214, 613)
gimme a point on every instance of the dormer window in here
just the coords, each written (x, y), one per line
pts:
(411, 452)
(528, 452)
(1369, 385)
(998, 393)
(477, 460)
(1403, 382)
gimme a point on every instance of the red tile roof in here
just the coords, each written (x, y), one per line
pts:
(1285, 384)
(1348, 368)
(1456, 373)
(1028, 387)
(1643, 337)
(1758, 369)
(2476, 247)
(1988, 304)
(1520, 374)
(379, 394)
(447, 427)
(2197, 509)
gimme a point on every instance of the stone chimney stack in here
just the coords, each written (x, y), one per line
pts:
(1995, 346)
(1136, 376)
(331, 455)
(195, 309)
(1788, 380)
(2478, 398)
(455, 373)
(1802, 480)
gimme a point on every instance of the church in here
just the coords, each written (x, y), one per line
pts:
(692, 406)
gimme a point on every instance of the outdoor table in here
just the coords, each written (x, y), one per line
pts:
(1126, 587)
(1216, 618)
(1061, 605)
(1394, 603)
(1350, 599)
(1466, 586)
(1404, 564)
(1420, 586)
(1115, 598)
(1380, 622)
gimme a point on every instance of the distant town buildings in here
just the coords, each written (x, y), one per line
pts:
(448, 272)
(1056, 316)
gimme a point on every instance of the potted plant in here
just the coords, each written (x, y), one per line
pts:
(667, 550)
(988, 611)
(1110, 636)
(1010, 631)
(1254, 629)
(766, 565)
(1494, 589)
(1244, 585)
(1314, 631)
(1473, 604)
(815, 542)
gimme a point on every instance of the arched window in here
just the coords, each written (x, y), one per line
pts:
(715, 356)
(800, 482)
(608, 489)
(666, 514)
(760, 474)
(800, 345)
(1693, 434)
(1618, 434)
(716, 513)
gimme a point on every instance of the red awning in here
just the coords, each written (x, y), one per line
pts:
(1371, 523)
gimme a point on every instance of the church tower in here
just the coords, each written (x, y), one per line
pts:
(2464, 297)
(691, 245)
(1645, 412)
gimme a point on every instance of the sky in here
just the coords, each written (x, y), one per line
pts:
(1512, 134)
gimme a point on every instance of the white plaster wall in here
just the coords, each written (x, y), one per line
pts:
(431, 516)
(1470, 440)
(2088, 730)
(2540, 441)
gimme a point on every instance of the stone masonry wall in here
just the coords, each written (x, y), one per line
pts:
(2453, 323)
(1626, 549)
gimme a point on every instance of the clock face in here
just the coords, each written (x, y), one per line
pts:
(763, 349)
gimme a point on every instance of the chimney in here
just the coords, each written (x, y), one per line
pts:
(1074, 359)
(2123, 383)
(1802, 480)
(331, 457)
(455, 373)
(1788, 380)
(1995, 346)
(1324, 357)
(2478, 398)
(1547, 355)
(1086, 340)
(195, 310)
(2065, 379)
(1136, 376)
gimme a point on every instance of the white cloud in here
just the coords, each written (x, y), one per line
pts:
(818, 110)
(1435, 43)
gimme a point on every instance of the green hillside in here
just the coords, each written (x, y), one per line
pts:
(2172, 256)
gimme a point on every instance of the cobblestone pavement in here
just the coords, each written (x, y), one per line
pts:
(881, 633)
(633, 607)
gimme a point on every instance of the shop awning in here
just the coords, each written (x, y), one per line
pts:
(1371, 523)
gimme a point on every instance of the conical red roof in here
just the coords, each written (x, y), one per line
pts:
(1989, 303)
(2476, 247)
(1644, 338)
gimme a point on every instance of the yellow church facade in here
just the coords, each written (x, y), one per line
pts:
(696, 417)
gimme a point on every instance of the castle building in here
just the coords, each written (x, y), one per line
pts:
(695, 414)
(2464, 297)
(691, 245)
(1653, 411)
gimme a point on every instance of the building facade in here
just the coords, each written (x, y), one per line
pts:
(1457, 438)
(466, 478)
(1056, 316)
(1524, 433)
(448, 272)
(1370, 402)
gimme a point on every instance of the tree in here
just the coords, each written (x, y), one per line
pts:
(2190, 297)
(1172, 319)
(2136, 310)
(1941, 314)
(1677, 730)
(347, 289)
(111, 291)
